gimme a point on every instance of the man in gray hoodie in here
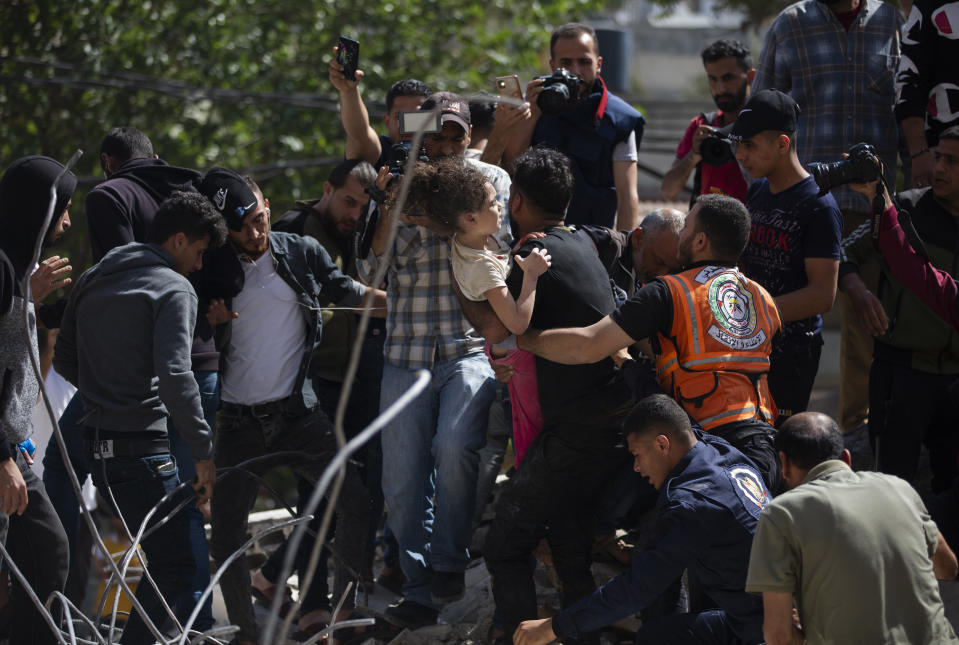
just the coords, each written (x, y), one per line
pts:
(125, 343)
(34, 535)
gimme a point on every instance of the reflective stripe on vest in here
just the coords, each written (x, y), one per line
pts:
(723, 326)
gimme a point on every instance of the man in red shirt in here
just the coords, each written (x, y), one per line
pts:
(729, 68)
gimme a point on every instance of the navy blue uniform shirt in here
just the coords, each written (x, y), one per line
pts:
(707, 512)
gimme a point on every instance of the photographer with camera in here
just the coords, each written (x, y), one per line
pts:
(573, 112)
(914, 380)
(793, 248)
(705, 147)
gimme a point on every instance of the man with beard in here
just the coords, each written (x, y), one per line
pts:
(711, 327)
(331, 220)
(32, 532)
(599, 132)
(729, 70)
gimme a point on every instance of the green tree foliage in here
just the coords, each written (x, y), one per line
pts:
(755, 11)
(240, 83)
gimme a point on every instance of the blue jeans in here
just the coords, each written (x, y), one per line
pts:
(137, 484)
(209, 383)
(55, 477)
(430, 466)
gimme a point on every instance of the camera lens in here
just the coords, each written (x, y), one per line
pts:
(716, 151)
(553, 99)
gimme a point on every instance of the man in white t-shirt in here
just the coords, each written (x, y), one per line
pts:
(269, 413)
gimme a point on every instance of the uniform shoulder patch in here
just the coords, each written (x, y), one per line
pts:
(749, 488)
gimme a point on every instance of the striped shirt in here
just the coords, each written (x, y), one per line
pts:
(424, 321)
(844, 82)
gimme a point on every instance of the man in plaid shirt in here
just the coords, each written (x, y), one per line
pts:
(837, 59)
(430, 449)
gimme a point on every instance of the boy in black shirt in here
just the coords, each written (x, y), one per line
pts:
(793, 248)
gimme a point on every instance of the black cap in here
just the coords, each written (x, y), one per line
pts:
(452, 108)
(766, 110)
(229, 194)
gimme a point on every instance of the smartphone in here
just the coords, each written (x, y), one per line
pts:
(348, 55)
(414, 120)
(508, 86)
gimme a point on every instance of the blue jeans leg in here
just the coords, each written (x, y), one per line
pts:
(137, 484)
(431, 453)
(56, 481)
(210, 401)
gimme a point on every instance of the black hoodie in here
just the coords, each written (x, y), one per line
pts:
(121, 209)
(24, 200)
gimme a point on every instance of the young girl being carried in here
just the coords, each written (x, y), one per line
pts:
(461, 203)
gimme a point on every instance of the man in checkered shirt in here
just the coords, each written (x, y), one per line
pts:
(430, 450)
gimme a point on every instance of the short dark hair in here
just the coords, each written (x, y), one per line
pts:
(126, 143)
(726, 223)
(572, 30)
(951, 133)
(809, 439)
(406, 87)
(251, 183)
(660, 414)
(482, 111)
(729, 49)
(445, 190)
(189, 213)
(544, 177)
(361, 170)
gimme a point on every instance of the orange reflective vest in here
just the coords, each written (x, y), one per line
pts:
(715, 360)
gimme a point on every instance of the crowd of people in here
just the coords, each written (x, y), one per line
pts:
(654, 365)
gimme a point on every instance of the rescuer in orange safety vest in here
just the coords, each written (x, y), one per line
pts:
(712, 330)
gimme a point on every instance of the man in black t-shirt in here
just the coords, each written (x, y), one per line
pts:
(793, 248)
(566, 466)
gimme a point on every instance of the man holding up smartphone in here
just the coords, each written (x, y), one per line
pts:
(362, 141)
(597, 130)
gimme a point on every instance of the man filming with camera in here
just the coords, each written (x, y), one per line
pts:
(793, 248)
(705, 148)
(914, 380)
(573, 112)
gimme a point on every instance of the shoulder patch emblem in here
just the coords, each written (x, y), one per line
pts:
(750, 489)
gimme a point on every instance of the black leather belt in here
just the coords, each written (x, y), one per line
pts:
(106, 445)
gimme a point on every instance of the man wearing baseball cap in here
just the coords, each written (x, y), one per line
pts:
(268, 403)
(793, 248)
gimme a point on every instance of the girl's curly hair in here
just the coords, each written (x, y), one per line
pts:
(444, 191)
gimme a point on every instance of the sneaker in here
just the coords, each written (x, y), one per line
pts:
(411, 615)
(447, 587)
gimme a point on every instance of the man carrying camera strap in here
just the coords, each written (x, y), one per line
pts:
(793, 248)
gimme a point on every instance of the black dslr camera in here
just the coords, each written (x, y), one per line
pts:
(559, 90)
(861, 167)
(716, 149)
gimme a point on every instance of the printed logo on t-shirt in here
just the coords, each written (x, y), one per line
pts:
(750, 489)
(732, 306)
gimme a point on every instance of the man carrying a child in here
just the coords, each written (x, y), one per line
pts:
(582, 405)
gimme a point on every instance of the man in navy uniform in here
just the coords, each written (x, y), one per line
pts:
(710, 497)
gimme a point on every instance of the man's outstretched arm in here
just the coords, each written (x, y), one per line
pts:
(576, 345)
